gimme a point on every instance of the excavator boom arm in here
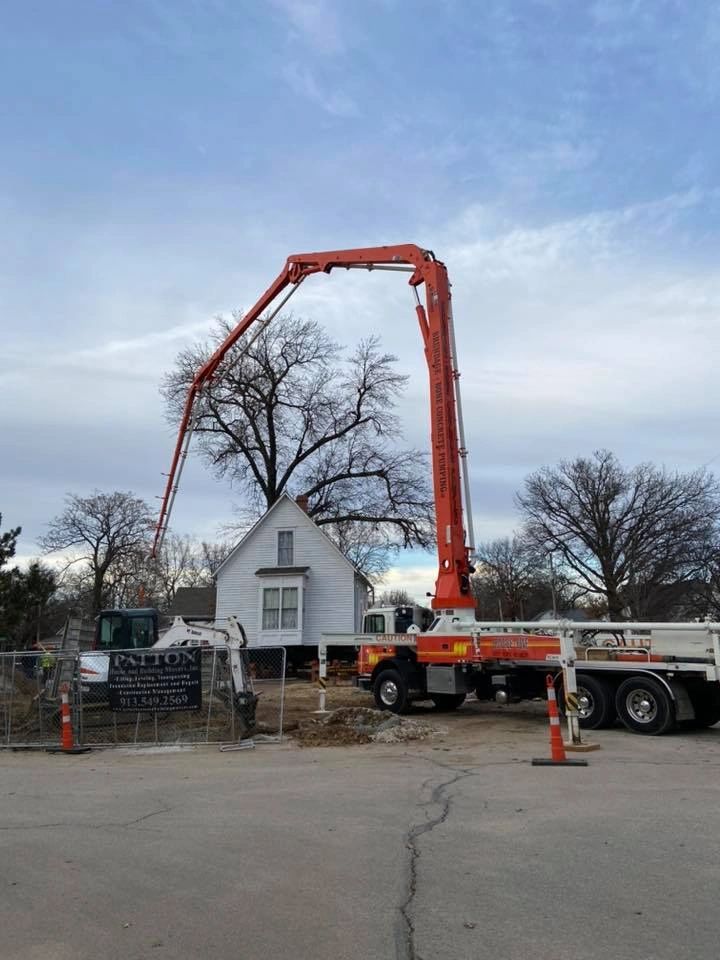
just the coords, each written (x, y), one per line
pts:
(435, 320)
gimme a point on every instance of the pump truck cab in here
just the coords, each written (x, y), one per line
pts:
(648, 690)
(401, 619)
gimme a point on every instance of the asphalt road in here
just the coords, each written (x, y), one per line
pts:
(453, 849)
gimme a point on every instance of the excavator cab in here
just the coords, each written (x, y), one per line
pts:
(126, 629)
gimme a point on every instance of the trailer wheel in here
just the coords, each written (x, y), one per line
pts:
(645, 706)
(446, 702)
(391, 691)
(596, 702)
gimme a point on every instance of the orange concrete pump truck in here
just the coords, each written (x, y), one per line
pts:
(634, 672)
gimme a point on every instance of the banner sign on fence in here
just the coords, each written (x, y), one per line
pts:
(155, 680)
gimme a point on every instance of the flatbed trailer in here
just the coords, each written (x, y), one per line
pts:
(653, 677)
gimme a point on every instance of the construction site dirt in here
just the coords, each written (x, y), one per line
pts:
(305, 727)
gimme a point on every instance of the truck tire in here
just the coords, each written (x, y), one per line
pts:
(596, 702)
(445, 702)
(391, 691)
(645, 706)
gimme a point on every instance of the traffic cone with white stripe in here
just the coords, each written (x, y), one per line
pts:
(557, 750)
(67, 742)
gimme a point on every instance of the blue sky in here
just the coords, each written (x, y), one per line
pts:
(160, 159)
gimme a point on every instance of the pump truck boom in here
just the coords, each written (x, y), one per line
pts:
(452, 588)
(649, 687)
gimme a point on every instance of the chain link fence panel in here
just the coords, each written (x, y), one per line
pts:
(31, 683)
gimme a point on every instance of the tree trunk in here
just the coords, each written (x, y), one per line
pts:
(97, 598)
(614, 603)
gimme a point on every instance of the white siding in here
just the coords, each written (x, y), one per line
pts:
(330, 601)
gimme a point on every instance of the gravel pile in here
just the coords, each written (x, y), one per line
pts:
(349, 725)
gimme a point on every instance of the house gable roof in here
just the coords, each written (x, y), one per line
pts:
(307, 519)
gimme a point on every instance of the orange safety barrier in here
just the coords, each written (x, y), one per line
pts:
(557, 750)
(66, 734)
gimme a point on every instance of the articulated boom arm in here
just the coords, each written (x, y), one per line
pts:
(435, 321)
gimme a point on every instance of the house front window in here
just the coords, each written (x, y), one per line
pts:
(280, 608)
(271, 608)
(289, 608)
(285, 548)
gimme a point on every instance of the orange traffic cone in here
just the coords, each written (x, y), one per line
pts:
(557, 750)
(67, 743)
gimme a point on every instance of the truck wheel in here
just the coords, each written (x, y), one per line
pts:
(596, 702)
(391, 691)
(644, 706)
(447, 701)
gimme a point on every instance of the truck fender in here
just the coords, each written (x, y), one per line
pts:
(408, 670)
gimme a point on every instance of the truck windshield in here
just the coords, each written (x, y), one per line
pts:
(118, 632)
(403, 619)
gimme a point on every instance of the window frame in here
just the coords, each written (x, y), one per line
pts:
(282, 585)
(281, 533)
(267, 610)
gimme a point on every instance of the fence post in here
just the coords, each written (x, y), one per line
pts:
(283, 667)
(12, 697)
(322, 676)
(78, 700)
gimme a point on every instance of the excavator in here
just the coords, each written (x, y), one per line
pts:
(139, 629)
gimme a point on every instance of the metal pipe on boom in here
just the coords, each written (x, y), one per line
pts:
(452, 586)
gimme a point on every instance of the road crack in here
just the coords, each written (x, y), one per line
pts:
(405, 946)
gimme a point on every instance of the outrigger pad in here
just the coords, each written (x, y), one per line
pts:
(544, 762)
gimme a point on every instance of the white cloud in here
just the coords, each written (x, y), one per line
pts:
(315, 22)
(331, 100)
(418, 580)
(112, 353)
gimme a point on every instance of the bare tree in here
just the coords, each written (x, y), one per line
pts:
(290, 412)
(626, 534)
(105, 532)
(514, 581)
(182, 562)
(394, 598)
(209, 557)
(505, 574)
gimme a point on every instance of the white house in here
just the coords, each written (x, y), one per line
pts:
(287, 582)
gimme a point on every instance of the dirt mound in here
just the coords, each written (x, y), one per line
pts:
(348, 725)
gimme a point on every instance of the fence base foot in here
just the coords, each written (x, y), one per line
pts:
(581, 747)
(544, 762)
(68, 750)
(322, 712)
(232, 747)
